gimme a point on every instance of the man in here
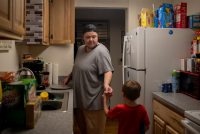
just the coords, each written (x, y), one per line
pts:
(91, 76)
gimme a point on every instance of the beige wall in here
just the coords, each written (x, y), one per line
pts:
(63, 55)
(102, 3)
(9, 58)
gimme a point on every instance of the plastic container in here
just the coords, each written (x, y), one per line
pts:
(44, 95)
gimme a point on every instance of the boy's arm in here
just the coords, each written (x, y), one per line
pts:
(106, 109)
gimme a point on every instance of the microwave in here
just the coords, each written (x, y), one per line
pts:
(190, 84)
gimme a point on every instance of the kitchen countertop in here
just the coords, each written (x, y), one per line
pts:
(51, 122)
(177, 101)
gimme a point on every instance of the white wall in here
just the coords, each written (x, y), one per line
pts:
(63, 55)
(9, 59)
(102, 3)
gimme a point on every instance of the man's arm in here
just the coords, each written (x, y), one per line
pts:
(107, 80)
(106, 109)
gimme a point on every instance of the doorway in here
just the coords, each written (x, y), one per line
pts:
(115, 21)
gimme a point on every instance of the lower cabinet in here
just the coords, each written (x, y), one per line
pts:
(158, 125)
(165, 120)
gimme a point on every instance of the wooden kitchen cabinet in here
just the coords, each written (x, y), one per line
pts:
(12, 23)
(62, 21)
(158, 125)
(55, 24)
(19, 17)
(166, 120)
(46, 22)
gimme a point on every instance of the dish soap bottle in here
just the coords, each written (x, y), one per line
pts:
(175, 81)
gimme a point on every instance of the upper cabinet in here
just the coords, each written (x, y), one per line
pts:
(62, 21)
(12, 24)
(49, 22)
(18, 16)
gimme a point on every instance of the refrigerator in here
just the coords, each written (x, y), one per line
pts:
(150, 55)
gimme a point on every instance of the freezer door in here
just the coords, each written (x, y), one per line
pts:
(137, 48)
(131, 74)
(126, 55)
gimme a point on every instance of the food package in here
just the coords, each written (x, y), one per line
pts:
(7, 76)
(180, 11)
(15, 97)
(194, 21)
(146, 17)
(33, 112)
(166, 16)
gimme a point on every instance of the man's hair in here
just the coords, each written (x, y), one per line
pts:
(89, 28)
(131, 90)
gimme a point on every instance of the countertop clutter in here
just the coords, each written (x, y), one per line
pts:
(51, 121)
(177, 101)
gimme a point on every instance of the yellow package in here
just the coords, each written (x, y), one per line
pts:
(146, 17)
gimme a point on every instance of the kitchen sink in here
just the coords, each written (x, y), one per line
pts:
(56, 101)
(51, 105)
(53, 96)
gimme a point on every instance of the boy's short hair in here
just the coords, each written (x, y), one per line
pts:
(90, 28)
(131, 90)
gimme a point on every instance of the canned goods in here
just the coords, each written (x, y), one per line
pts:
(167, 87)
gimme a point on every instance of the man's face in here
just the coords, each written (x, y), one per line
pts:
(90, 39)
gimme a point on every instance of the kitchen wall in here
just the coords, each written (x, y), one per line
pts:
(9, 59)
(11, 64)
(63, 55)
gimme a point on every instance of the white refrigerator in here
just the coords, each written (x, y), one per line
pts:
(150, 55)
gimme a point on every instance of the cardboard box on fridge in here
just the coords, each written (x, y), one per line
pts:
(15, 97)
(166, 16)
(194, 21)
(146, 17)
(180, 11)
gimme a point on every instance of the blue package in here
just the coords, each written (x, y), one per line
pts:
(166, 16)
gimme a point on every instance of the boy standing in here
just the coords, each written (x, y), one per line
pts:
(132, 117)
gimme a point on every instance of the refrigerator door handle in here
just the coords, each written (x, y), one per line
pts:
(123, 58)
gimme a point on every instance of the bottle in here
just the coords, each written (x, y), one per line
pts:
(175, 81)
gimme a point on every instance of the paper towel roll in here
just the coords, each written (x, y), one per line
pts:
(49, 68)
(55, 73)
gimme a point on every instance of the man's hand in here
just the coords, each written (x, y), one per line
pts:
(108, 90)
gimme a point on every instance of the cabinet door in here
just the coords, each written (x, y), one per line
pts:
(18, 17)
(61, 21)
(46, 22)
(6, 15)
(158, 125)
(170, 130)
(169, 116)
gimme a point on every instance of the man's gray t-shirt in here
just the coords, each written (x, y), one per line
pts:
(88, 77)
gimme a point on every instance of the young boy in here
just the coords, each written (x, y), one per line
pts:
(132, 117)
